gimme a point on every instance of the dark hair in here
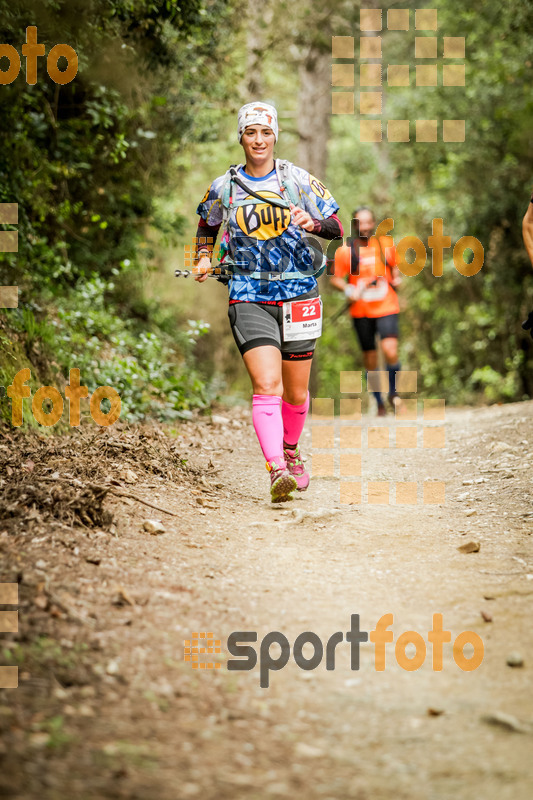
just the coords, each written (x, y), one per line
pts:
(363, 208)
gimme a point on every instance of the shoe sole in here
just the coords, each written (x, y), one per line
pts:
(280, 491)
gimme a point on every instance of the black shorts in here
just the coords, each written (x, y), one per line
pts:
(258, 324)
(367, 327)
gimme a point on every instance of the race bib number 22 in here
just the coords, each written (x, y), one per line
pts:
(302, 319)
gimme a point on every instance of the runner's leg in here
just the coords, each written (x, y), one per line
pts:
(388, 329)
(264, 367)
(365, 329)
(257, 335)
(295, 376)
(370, 358)
(390, 351)
(294, 411)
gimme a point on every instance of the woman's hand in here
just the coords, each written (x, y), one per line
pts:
(200, 271)
(302, 218)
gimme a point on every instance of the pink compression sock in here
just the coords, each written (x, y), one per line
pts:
(293, 420)
(266, 417)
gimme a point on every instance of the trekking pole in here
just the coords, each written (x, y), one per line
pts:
(212, 272)
(334, 317)
(222, 273)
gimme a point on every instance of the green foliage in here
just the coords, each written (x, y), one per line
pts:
(154, 375)
(16, 354)
(87, 162)
(107, 171)
(462, 334)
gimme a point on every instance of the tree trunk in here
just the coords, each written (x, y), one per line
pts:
(314, 109)
(259, 20)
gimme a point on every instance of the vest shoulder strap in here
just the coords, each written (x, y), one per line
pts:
(287, 180)
(226, 194)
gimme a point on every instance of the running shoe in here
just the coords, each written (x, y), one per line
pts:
(395, 403)
(282, 483)
(382, 411)
(295, 466)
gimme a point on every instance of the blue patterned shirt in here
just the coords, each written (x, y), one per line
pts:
(263, 237)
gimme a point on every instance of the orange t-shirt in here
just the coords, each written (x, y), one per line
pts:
(378, 300)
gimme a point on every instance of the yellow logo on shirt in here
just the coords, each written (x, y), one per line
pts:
(318, 188)
(261, 220)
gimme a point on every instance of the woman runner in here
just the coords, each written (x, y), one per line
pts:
(275, 271)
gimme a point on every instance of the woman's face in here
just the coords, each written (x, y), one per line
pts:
(258, 144)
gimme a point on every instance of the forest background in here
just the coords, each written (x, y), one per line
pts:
(107, 172)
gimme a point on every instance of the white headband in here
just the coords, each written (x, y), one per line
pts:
(257, 114)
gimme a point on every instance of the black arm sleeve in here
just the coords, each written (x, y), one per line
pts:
(206, 236)
(330, 228)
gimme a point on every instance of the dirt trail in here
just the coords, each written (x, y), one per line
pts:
(114, 711)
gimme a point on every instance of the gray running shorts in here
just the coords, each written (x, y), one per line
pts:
(258, 324)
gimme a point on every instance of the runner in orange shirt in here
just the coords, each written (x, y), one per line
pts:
(375, 307)
(527, 231)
